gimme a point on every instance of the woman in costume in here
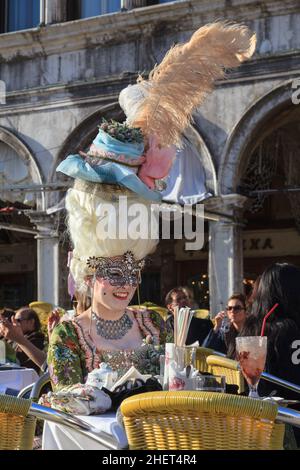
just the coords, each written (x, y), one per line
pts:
(128, 162)
(107, 266)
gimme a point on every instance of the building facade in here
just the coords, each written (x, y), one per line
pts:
(64, 71)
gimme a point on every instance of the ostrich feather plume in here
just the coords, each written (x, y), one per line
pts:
(187, 74)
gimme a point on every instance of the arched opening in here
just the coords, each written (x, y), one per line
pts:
(262, 162)
(271, 178)
(17, 243)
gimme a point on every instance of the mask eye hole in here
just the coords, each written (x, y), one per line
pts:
(115, 273)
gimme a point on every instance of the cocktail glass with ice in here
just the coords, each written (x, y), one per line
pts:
(252, 351)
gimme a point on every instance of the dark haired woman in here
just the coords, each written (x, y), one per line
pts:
(280, 283)
(222, 337)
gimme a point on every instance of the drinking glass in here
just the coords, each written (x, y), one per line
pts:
(191, 356)
(210, 383)
(162, 359)
(252, 352)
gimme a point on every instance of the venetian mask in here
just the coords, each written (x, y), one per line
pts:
(119, 270)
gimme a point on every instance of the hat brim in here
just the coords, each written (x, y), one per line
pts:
(109, 173)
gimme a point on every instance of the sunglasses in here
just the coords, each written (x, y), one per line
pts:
(235, 308)
(19, 320)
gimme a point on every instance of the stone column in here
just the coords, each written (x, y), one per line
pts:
(131, 4)
(47, 256)
(226, 251)
(53, 11)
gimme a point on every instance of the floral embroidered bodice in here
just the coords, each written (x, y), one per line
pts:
(71, 354)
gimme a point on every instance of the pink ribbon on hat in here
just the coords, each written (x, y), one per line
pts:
(158, 162)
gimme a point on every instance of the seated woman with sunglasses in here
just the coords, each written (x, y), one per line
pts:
(222, 337)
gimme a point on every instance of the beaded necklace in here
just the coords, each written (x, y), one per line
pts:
(112, 329)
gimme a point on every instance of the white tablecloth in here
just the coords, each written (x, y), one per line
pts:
(17, 379)
(57, 437)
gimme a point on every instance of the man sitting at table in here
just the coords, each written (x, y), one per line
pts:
(199, 328)
(25, 331)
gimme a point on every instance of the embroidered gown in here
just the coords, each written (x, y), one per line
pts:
(71, 355)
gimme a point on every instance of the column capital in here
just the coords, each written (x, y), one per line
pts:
(230, 205)
(46, 224)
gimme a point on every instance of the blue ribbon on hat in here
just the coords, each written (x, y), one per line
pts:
(108, 143)
(110, 172)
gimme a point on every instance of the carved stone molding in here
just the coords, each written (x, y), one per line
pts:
(228, 205)
(133, 24)
(47, 225)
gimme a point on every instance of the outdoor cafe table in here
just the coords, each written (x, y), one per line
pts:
(16, 378)
(59, 437)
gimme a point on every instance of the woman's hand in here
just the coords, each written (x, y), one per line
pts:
(218, 320)
(53, 320)
(11, 331)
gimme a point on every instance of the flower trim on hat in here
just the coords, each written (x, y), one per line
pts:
(122, 132)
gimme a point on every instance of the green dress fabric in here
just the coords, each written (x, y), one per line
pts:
(71, 355)
(66, 359)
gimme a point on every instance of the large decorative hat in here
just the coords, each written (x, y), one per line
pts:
(138, 154)
(115, 157)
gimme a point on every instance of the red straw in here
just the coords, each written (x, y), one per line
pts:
(265, 319)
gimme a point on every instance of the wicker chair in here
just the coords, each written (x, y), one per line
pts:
(162, 311)
(200, 361)
(202, 313)
(200, 420)
(218, 365)
(16, 426)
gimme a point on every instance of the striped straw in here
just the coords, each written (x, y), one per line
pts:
(183, 320)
